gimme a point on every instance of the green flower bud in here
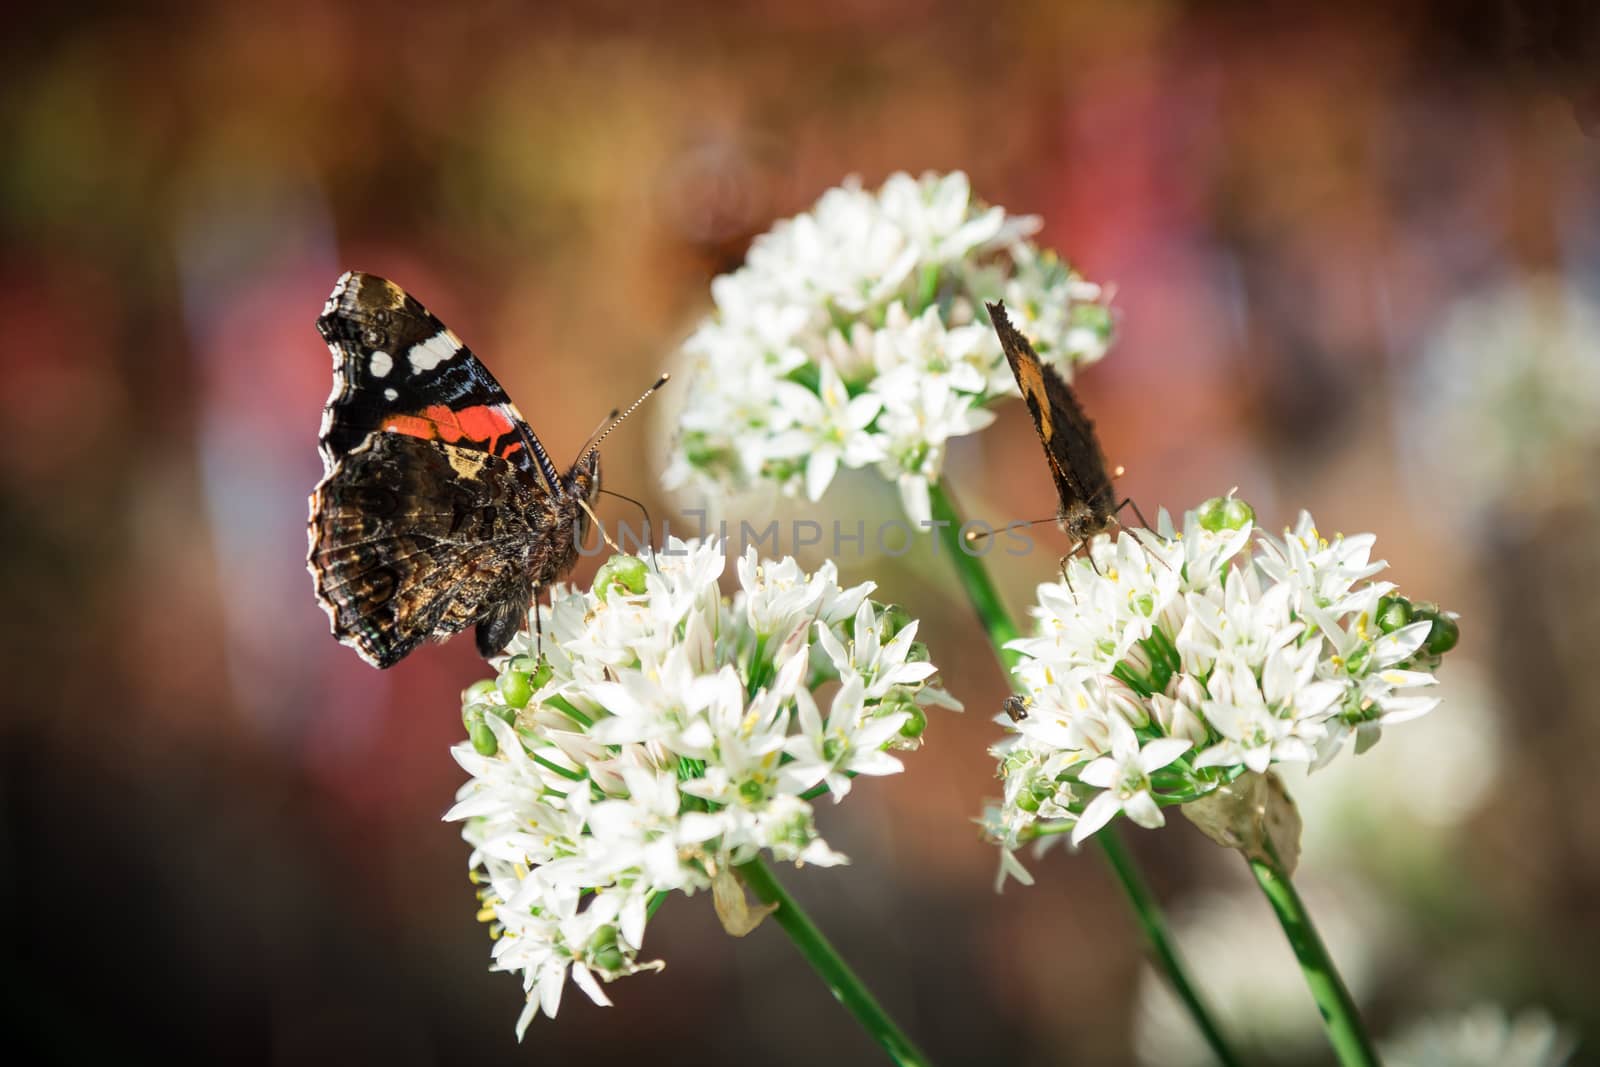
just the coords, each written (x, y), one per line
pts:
(1224, 513)
(1013, 762)
(541, 674)
(918, 722)
(482, 737)
(603, 953)
(503, 712)
(516, 687)
(1393, 613)
(894, 619)
(626, 571)
(1443, 634)
(917, 653)
(1027, 801)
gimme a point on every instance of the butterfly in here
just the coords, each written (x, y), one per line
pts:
(439, 508)
(1088, 502)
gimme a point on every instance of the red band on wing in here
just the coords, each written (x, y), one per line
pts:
(483, 424)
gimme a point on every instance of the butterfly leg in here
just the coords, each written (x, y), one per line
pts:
(538, 629)
(1145, 523)
(1129, 502)
(1065, 577)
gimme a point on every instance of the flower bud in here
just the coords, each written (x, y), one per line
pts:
(478, 732)
(916, 722)
(1443, 634)
(1393, 613)
(894, 619)
(603, 954)
(1224, 513)
(516, 687)
(541, 674)
(626, 571)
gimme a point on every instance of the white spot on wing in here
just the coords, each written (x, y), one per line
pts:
(437, 349)
(380, 364)
(390, 394)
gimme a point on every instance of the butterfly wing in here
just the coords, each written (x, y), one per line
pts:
(396, 367)
(414, 539)
(438, 507)
(1071, 446)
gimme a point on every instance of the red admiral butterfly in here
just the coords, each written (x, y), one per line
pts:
(438, 509)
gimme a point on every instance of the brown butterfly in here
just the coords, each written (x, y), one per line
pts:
(1088, 502)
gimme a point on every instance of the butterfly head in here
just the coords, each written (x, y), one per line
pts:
(583, 483)
(1085, 520)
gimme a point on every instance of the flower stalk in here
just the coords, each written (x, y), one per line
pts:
(846, 987)
(1002, 630)
(1346, 1032)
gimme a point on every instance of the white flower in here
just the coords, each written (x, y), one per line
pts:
(1485, 1036)
(1166, 664)
(850, 742)
(1125, 777)
(855, 336)
(670, 735)
(825, 427)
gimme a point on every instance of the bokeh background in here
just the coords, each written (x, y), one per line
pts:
(1356, 255)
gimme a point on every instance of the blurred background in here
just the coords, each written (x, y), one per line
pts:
(1356, 257)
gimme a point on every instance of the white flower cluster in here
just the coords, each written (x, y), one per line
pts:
(855, 335)
(1504, 406)
(669, 735)
(1166, 664)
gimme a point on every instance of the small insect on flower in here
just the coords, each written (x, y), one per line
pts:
(668, 735)
(439, 508)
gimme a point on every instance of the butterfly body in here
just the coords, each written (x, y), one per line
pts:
(439, 508)
(1088, 504)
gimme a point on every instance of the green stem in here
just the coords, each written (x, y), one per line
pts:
(997, 622)
(847, 989)
(1339, 1015)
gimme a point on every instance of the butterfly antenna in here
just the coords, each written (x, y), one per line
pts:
(595, 433)
(979, 535)
(616, 419)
